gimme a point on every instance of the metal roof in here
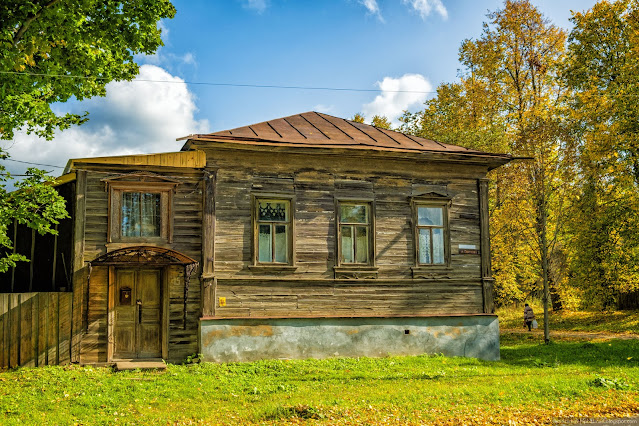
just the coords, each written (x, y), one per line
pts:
(146, 255)
(318, 130)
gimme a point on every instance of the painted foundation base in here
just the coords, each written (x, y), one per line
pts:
(237, 340)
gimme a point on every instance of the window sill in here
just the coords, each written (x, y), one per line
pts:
(272, 268)
(355, 271)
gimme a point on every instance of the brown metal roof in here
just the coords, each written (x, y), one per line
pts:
(318, 130)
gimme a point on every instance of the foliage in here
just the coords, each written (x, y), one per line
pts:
(603, 382)
(34, 203)
(51, 51)
(508, 99)
(602, 69)
(93, 40)
(532, 383)
(381, 121)
(358, 118)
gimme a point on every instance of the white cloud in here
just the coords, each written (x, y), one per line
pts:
(257, 5)
(372, 7)
(425, 7)
(169, 61)
(398, 95)
(165, 30)
(326, 109)
(134, 117)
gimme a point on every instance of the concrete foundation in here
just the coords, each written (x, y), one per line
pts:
(233, 340)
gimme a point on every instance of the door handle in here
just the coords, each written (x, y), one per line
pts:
(139, 303)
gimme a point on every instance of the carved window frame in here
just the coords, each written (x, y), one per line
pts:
(435, 201)
(344, 270)
(290, 255)
(118, 187)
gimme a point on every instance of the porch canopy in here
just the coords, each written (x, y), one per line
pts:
(143, 255)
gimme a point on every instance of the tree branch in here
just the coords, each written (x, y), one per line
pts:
(25, 25)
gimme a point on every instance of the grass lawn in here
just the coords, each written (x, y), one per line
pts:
(591, 321)
(532, 381)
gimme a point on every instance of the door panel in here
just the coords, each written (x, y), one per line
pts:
(149, 316)
(124, 316)
(137, 328)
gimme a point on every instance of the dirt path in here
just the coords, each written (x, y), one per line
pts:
(585, 335)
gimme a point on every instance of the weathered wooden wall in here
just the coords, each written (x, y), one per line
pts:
(347, 298)
(35, 329)
(311, 289)
(187, 238)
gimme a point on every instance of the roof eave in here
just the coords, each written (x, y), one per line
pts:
(227, 143)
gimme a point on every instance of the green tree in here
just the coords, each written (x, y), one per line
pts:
(52, 50)
(34, 203)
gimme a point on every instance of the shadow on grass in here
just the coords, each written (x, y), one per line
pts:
(524, 351)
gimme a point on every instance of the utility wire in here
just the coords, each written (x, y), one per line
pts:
(202, 83)
(35, 164)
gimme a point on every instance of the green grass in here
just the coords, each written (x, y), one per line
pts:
(532, 381)
(590, 321)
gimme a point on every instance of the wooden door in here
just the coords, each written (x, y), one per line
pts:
(137, 326)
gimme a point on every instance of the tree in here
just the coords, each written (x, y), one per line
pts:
(358, 118)
(602, 69)
(34, 203)
(509, 99)
(381, 121)
(52, 50)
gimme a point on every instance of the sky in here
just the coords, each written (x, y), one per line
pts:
(199, 81)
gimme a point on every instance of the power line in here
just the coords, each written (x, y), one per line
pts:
(202, 83)
(34, 164)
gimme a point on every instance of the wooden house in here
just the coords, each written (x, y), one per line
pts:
(303, 236)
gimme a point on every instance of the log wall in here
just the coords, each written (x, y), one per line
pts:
(186, 212)
(313, 288)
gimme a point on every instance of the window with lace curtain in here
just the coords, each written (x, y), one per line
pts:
(272, 228)
(140, 212)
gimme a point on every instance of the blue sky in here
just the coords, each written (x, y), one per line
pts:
(383, 45)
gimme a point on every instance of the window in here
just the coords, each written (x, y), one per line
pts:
(354, 233)
(141, 214)
(431, 223)
(273, 240)
(140, 211)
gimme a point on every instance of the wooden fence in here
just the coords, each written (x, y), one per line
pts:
(35, 329)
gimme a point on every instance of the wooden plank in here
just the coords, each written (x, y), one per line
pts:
(3, 331)
(52, 323)
(64, 321)
(78, 243)
(486, 269)
(208, 245)
(14, 330)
